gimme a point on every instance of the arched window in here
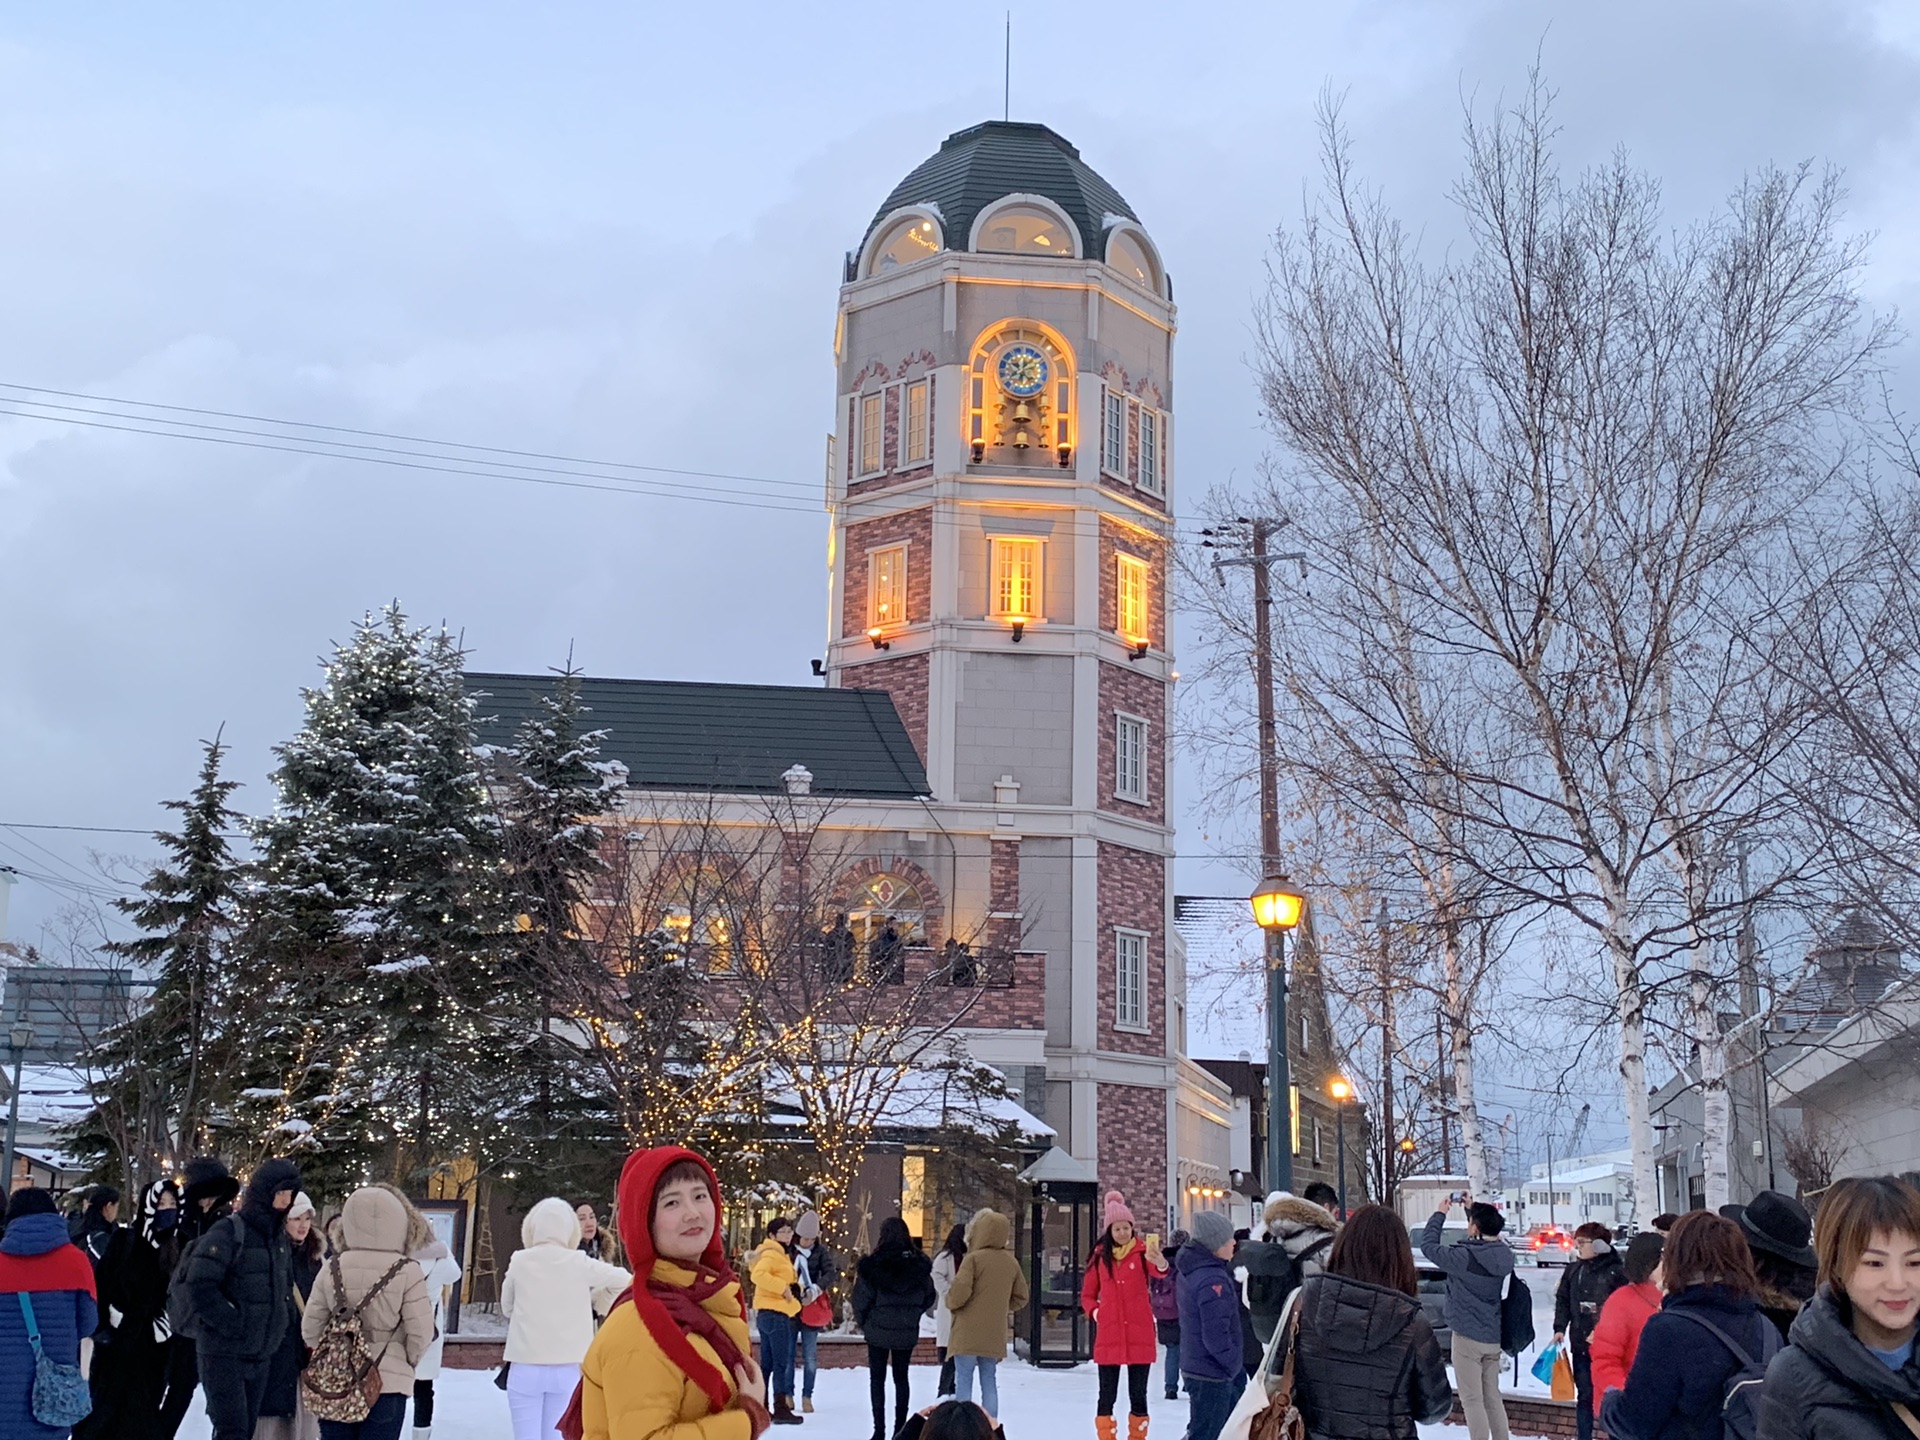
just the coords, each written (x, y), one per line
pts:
(1025, 404)
(1022, 229)
(912, 238)
(886, 902)
(1127, 252)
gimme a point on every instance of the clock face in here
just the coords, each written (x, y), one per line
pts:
(1022, 370)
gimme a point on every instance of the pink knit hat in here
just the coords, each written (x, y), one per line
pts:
(1117, 1208)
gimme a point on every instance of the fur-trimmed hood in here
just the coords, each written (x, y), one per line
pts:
(1298, 1223)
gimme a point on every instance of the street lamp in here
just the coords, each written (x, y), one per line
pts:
(1276, 909)
(1341, 1091)
(21, 1037)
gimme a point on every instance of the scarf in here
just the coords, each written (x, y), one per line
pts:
(673, 1312)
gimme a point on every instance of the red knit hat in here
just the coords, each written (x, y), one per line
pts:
(1117, 1208)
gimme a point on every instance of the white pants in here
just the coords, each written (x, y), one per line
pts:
(537, 1396)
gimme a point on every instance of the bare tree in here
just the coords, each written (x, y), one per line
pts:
(1573, 456)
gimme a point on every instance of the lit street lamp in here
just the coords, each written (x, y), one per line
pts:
(1341, 1092)
(21, 1037)
(1276, 909)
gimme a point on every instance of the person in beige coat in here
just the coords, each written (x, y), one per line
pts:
(398, 1323)
(987, 1288)
(552, 1292)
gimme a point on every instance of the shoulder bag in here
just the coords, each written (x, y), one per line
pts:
(1263, 1414)
(61, 1397)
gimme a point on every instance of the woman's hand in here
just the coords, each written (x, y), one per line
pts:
(751, 1383)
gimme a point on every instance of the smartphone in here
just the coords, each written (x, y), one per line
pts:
(1153, 1242)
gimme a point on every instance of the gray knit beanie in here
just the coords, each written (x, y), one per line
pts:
(1211, 1230)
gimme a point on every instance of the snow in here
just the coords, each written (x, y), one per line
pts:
(1032, 1403)
(400, 967)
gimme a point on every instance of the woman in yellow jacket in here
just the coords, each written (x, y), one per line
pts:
(776, 1312)
(673, 1361)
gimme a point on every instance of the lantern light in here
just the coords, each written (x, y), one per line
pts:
(1340, 1088)
(1276, 904)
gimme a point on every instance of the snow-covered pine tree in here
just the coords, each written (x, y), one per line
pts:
(552, 786)
(382, 916)
(161, 1075)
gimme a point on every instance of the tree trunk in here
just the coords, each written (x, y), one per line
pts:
(1632, 1001)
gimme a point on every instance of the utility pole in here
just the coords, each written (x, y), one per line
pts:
(1279, 1073)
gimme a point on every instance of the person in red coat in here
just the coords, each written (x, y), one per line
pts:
(1116, 1296)
(1617, 1336)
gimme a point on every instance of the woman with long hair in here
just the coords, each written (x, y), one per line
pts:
(1116, 1298)
(1677, 1387)
(132, 1347)
(946, 1264)
(892, 1289)
(1849, 1374)
(1367, 1365)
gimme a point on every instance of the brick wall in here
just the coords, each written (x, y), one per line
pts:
(1133, 1149)
(1117, 540)
(1125, 689)
(914, 529)
(1003, 895)
(902, 676)
(1132, 895)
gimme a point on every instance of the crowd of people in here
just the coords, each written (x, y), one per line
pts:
(1759, 1320)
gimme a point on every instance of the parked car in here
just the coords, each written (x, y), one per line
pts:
(1433, 1302)
(1550, 1245)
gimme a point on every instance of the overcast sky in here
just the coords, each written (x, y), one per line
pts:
(616, 231)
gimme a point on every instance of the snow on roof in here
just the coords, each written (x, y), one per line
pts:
(929, 1099)
(52, 1094)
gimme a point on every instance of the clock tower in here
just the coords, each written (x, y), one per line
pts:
(1001, 499)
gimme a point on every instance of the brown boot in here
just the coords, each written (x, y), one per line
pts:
(806, 1404)
(783, 1411)
(1136, 1427)
(1105, 1427)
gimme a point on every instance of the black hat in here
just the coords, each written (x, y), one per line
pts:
(1779, 1225)
(30, 1201)
(207, 1177)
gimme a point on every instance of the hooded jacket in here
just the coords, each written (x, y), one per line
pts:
(1583, 1289)
(1368, 1366)
(441, 1270)
(644, 1376)
(1299, 1234)
(1617, 1337)
(553, 1289)
(240, 1274)
(134, 1271)
(774, 1279)
(1211, 1346)
(37, 1258)
(989, 1286)
(1826, 1386)
(892, 1289)
(1477, 1272)
(398, 1322)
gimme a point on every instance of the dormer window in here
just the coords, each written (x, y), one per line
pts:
(906, 241)
(1024, 229)
(1129, 253)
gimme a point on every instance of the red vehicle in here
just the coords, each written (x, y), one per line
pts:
(1550, 1245)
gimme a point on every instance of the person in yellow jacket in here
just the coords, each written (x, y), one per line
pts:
(776, 1311)
(674, 1359)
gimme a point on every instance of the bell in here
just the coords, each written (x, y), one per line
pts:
(1023, 414)
(1022, 440)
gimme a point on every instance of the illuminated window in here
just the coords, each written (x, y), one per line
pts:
(1150, 450)
(915, 238)
(887, 586)
(1016, 578)
(1113, 435)
(1132, 597)
(918, 436)
(990, 408)
(1130, 980)
(1025, 230)
(870, 431)
(1126, 254)
(1130, 758)
(708, 942)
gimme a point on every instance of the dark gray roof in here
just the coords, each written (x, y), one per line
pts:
(733, 739)
(988, 162)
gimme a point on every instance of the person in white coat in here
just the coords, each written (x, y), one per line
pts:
(945, 1266)
(552, 1292)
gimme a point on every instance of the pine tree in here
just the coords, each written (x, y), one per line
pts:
(163, 1072)
(552, 787)
(381, 917)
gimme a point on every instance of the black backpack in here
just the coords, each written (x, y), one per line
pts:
(1740, 1402)
(1516, 1310)
(180, 1317)
(1273, 1274)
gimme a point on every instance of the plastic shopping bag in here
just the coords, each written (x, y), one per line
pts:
(1543, 1367)
(1563, 1376)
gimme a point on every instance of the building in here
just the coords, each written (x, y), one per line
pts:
(1578, 1190)
(1856, 1092)
(989, 752)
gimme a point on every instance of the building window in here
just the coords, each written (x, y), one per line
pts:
(1016, 578)
(1130, 758)
(870, 432)
(1316, 1140)
(1150, 450)
(1130, 973)
(1305, 1043)
(1128, 255)
(915, 238)
(1113, 435)
(1025, 230)
(887, 586)
(918, 436)
(1132, 598)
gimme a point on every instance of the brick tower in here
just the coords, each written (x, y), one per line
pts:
(1001, 502)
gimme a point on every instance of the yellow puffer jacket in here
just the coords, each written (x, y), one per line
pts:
(630, 1390)
(773, 1279)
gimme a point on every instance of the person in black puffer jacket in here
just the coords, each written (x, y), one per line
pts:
(1367, 1365)
(240, 1278)
(130, 1349)
(207, 1194)
(892, 1289)
(1584, 1288)
(1851, 1358)
(282, 1414)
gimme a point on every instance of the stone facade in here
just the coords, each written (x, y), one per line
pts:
(914, 530)
(1117, 540)
(1125, 691)
(1133, 889)
(1133, 1149)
